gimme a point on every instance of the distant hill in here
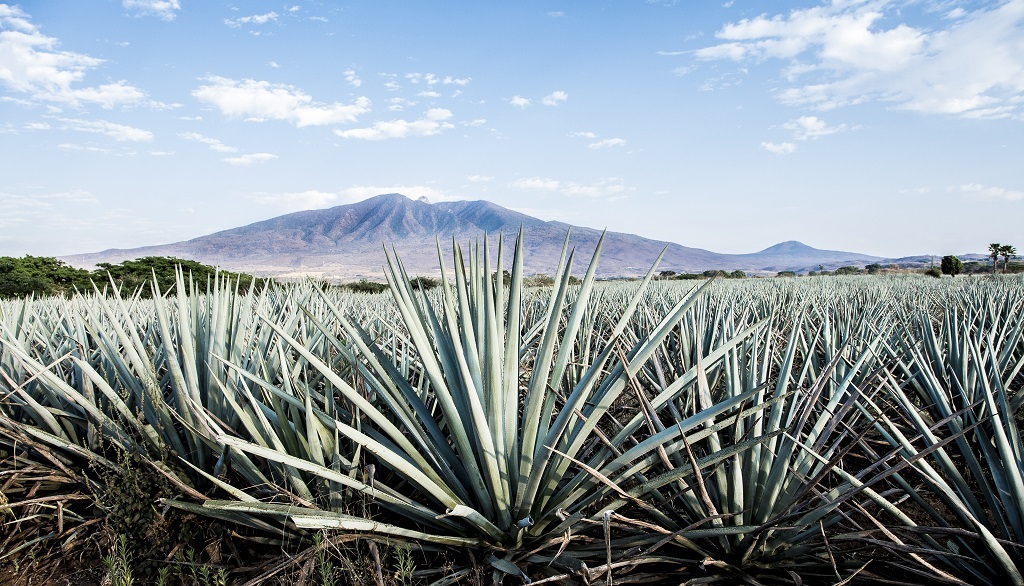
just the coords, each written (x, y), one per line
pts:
(346, 242)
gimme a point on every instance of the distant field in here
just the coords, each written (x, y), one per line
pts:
(820, 429)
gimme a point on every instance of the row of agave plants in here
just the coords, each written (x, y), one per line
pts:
(767, 431)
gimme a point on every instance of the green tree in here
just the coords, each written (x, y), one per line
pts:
(364, 286)
(424, 283)
(995, 250)
(786, 274)
(39, 275)
(951, 265)
(849, 270)
(737, 274)
(933, 272)
(131, 275)
(1007, 251)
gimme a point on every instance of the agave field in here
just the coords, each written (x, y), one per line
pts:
(823, 430)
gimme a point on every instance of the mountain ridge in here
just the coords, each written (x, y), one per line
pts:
(346, 242)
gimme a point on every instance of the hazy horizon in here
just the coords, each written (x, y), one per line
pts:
(883, 128)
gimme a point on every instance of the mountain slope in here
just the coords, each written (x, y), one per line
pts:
(346, 242)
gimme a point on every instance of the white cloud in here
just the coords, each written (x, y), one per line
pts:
(610, 188)
(273, 64)
(989, 192)
(261, 100)
(479, 178)
(164, 9)
(556, 14)
(245, 160)
(590, 135)
(448, 80)
(213, 143)
(254, 19)
(607, 143)
(118, 132)
(399, 104)
(847, 52)
(303, 200)
(782, 148)
(82, 148)
(520, 101)
(32, 64)
(427, 78)
(10, 201)
(361, 192)
(434, 121)
(430, 94)
(352, 78)
(809, 127)
(294, 8)
(554, 98)
(37, 126)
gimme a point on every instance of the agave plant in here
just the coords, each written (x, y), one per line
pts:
(496, 446)
(955, 428)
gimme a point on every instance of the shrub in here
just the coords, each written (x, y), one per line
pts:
(952, 265)
(424, 283)
(786, 274)
(933, 272)
(364, 286)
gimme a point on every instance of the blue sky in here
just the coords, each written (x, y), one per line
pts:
(889, 128)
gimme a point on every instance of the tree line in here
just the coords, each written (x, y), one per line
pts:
(43, 275)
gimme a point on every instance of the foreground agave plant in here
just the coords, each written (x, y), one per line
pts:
(482, 453)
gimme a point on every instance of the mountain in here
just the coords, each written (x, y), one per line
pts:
(346, 242)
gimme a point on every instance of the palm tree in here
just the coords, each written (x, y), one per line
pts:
(1007, 251)
(995, 250)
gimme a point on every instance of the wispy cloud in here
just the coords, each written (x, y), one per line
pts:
(434, 121)
(520, 101)
(361, 192)
(781, 148)
(399, 104)
(607, 143)
(479, 178)
(165, 9)
(213, 143)
(554, 98)
(118, 132)
(246, 160)
(811, 127)
(302, 200)
(16, 209)
(258, 101)
(254, 19)
(426, 78)
(988, 192)
(352, 78)
(610, 188)
(33, 65)
(844, 53)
